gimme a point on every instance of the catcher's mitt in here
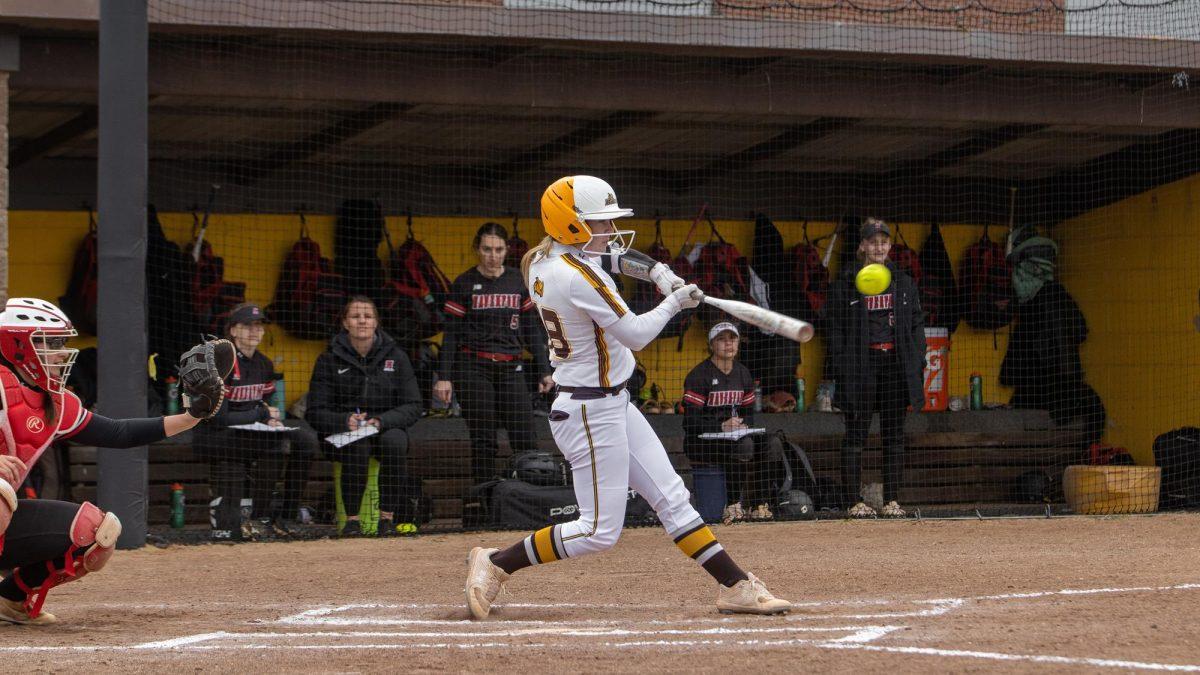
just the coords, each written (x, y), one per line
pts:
(202, 373)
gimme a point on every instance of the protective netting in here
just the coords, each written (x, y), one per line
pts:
(1033, 165)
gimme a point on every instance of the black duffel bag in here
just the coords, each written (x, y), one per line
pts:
(520, 506)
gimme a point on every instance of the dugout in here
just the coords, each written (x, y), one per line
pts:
(462, 112)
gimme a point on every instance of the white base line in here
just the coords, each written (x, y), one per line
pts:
(1035, 658)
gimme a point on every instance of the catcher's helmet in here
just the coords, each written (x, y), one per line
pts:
(539, 468)
(571, 201)
(33, 339)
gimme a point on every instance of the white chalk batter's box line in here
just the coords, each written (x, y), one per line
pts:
(858, 637)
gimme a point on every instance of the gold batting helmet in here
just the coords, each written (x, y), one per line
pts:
(571, 201)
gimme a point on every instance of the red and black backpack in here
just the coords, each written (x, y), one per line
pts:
(415, 290)
(906, 259)
(212, 296)
(517, 247)
(721, 271)
(309, 296)
(81, 298)
(810, 278)
(986, 285)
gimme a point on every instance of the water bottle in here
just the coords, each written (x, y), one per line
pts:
(976, 391)
(757, 396)
(177, 502)
(800, 385)
(172, 395)
(278, 399)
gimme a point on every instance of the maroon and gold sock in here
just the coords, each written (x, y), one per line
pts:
(543, 546)
(700, 544)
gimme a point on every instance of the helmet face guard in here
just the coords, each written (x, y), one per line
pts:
(33, 339)
(570, 202)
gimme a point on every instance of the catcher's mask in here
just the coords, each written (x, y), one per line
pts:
(570, 202)
(33, 339)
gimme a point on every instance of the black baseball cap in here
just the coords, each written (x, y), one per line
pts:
(872, 227)
(248, 313)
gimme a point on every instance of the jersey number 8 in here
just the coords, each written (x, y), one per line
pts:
(558, 337)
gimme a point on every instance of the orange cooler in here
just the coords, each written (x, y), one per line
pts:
(937, 365)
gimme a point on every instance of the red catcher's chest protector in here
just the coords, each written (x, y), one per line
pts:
(26, 433)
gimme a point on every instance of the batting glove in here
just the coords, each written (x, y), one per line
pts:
(688, 296)
(666, 280)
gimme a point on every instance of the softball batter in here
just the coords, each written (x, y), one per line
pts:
(609, 444)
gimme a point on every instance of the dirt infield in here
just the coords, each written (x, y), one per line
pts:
(1065, 593)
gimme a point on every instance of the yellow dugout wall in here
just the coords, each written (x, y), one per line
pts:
(43, 244)
(1132, 268)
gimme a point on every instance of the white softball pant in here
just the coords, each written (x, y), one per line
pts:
(611, 448)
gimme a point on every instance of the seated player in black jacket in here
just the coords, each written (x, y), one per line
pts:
(238, 457)
(365, 379)
(719, 396)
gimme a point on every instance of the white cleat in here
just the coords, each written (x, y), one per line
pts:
(750, 597)
(484, 581)
(14, 612)
(861, 510)
(893, 510)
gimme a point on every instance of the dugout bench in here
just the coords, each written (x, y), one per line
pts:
(955, 460)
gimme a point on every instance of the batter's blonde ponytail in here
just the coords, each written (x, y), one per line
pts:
(542, 248)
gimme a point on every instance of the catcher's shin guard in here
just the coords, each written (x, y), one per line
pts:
(93, 532)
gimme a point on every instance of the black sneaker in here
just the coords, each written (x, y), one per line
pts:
(284, 528)
(387, 528)
(224, 536)
(353, 528)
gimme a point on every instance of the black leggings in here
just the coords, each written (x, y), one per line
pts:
(248, 463)
(494, 395)
(40, 532)
(887, 395)
(391, 448)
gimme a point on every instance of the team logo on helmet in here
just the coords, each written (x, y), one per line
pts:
(610, 199)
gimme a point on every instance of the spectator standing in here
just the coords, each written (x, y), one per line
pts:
(365, 378)
(719, 396)
(237, 457)
(877, 346)
(489, 323)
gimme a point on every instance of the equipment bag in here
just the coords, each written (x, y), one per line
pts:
(905, 258)
(721, 272)
(414, 292)
(798, 499)
(310, 295)
(212, 296)
(520, 506)
(986, 285)
(810, 279)
(171, 324)
(938, 291)
(1178, 453)
(81, 297)
(517, 247)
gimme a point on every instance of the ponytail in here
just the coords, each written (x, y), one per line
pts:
(542, 248)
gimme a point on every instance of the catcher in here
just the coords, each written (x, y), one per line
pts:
(45, 542)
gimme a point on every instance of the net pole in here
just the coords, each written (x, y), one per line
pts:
(121, 184)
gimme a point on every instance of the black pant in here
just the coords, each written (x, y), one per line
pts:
(40, 532)
(493, 395)
(887, 394)
(250, 462)
(391, 449)
(745, 463)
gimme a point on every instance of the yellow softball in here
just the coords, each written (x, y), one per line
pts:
(873, 279)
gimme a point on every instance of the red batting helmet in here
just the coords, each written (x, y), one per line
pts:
(33, 339)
